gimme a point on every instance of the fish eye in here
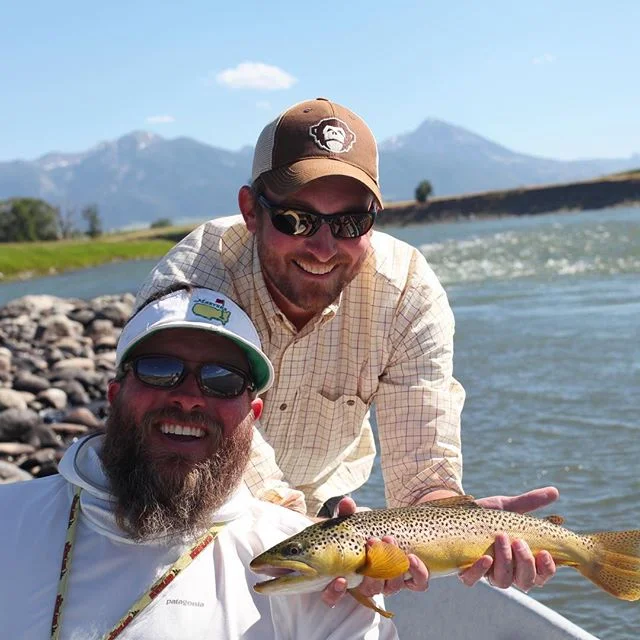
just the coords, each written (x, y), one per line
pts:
(294, 549)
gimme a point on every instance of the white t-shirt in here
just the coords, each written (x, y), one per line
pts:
(212, 598)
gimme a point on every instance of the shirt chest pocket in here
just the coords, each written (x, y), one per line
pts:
(330, 431)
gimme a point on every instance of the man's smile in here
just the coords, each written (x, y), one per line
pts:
(179, 430)
(314, 268)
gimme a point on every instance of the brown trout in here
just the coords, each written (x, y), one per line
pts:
(448, 535)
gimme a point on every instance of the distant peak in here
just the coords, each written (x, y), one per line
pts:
(437, 121)
(139, 139)
(141, 136)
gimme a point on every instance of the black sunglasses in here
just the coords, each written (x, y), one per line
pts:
(296, 222)
(167, 372)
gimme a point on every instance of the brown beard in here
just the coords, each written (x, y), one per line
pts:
(169, 496)
(312, 300)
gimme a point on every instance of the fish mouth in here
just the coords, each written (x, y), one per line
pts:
(287, 574)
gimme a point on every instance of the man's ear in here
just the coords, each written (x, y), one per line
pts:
(112, 391)
(256, 406)
(247, 204)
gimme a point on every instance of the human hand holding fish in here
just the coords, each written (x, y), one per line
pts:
(417, 580)
(513, 562)
(448, 534)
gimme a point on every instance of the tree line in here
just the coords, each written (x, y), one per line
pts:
(31, 219)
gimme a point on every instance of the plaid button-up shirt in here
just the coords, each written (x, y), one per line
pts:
(387, 340)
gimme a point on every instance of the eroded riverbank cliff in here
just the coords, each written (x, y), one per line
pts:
(610, 191)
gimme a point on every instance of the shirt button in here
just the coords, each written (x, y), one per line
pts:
(283, 406)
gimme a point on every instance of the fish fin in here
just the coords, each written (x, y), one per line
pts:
(384, 561)
(453, 501)
(369, 603)
(615, 564)
(555, 519)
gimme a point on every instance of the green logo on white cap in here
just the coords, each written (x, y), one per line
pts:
(212, 311)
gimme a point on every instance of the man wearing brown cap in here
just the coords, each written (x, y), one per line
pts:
(350, 318)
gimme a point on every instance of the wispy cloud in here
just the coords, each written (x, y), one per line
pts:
(545, 58)
(263, 104)
(255, 75)
(166, 119)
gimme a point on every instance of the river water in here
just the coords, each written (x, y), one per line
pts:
(548, 348)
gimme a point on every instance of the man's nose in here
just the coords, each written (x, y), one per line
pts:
(322, 244)
(187, 395)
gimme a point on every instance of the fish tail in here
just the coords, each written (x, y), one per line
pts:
(615, 563)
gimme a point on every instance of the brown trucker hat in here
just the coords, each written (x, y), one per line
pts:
(314, 139)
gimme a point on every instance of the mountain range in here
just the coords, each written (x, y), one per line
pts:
(142, 177)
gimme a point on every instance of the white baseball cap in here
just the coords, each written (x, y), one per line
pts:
(201, 309)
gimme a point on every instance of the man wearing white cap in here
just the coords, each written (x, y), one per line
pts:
(350, 318)
(148, 531)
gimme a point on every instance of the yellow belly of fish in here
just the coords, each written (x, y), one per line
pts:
(448, 556)
(453, 555)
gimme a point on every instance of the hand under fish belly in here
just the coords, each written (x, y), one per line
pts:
(448, 535)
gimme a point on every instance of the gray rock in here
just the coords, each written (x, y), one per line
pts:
(49, 468)
(43, 460)
(83, 416)
(105, 343)
(53, 355)
(99, 328)
(5, 360)
(84, 364)
(38, 305)
(82, 315)
(18, 425)
(27, 396)
(19, 328)
(44, 436)
(42, 455)
(106, 360)
(76, 393)
(117, 312)
(29, 362)
(53, 397)
(55, 327)
(69, 429)
(15, 448)
(69, 345)
(29, 382)
(11, 473)
(10, 399)
(87, 378)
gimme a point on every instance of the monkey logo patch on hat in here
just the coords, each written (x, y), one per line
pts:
(332, 134)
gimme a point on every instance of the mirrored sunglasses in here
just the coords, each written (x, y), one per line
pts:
(167, 372)
(296, 222)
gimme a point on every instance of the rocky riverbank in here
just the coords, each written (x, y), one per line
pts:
(56, 357)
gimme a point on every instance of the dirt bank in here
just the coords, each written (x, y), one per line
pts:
(610, 191)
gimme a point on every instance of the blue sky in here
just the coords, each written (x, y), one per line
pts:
(556, 79)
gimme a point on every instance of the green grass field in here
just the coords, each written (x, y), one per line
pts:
(28, 259)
